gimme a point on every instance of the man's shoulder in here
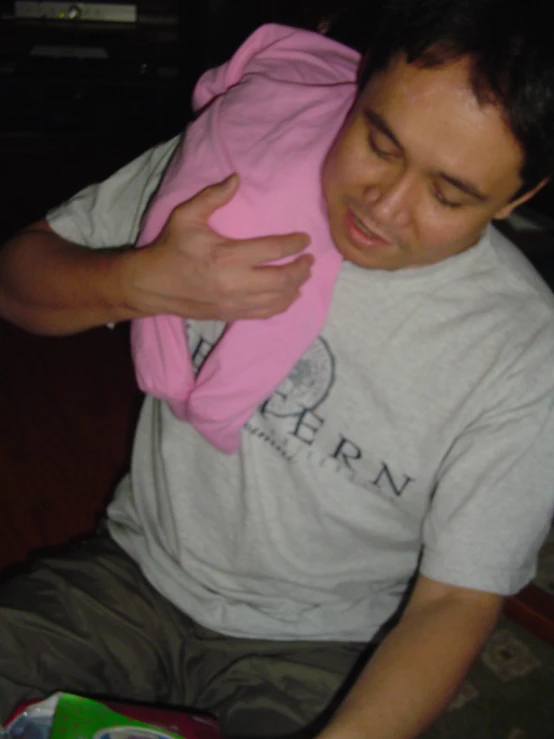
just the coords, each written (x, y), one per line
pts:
(270, 115)
(89, 217)
(515, 272)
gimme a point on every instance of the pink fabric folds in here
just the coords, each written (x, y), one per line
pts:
(269, 114)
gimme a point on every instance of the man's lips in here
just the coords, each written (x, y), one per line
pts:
(362, 234)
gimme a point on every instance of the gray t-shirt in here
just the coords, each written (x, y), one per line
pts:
(416, 431)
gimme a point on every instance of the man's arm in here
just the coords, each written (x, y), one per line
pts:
(416, 671)
(49, 285)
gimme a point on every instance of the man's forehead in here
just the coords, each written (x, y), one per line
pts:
(467, 78)
(399, 73)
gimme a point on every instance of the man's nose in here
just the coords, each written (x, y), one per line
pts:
(391, 200)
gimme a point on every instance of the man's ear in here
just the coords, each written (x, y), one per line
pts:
(513, 204)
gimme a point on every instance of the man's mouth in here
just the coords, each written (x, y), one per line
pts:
(366, 229)
(362, 234)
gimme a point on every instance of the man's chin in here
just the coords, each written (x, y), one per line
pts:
(386, 257)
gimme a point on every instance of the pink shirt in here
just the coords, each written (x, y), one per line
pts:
(270, 115)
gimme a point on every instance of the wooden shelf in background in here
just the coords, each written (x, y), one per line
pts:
(533, 610)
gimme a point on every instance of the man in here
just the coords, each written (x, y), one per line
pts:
(396, 486)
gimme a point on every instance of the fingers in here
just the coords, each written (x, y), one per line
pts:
(266, 249)
(238, 282)
(202, 205)
(284, 279)
(261, 306)
(254, 251)
(249, 307)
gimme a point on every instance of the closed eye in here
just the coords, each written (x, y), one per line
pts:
(379, 150)
(444, 201)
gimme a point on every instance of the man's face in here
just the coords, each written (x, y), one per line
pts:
(418, 169)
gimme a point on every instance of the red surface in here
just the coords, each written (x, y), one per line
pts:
(533, 610)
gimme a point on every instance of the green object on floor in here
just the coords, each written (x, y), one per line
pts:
(82, 718)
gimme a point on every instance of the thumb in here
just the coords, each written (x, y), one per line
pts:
(202, 205)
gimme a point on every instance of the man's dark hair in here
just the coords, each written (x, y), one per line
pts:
(510, 44)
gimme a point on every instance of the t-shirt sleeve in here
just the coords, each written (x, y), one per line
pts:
(108, 214)
(494, 500)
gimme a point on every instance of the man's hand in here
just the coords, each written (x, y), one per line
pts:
(193, 272)
(51, 286)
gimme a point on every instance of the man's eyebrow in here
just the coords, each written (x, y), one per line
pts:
(464, 186)
(379, 122)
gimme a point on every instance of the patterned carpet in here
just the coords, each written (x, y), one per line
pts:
(509, 693)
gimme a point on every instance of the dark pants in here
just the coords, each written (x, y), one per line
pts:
(88, 622)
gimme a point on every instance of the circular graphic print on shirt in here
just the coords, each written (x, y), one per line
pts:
(308, 383)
